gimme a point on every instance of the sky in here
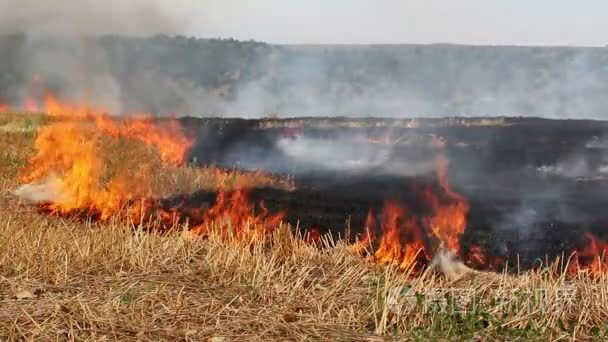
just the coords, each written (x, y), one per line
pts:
(481, 22)
(507, 22)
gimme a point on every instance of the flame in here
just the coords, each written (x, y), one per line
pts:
(81, 174)
(370, 224)
(449, 219)
(365, 241)
(592, 258)
(476, 256)
(407, 239)
(73, 150)
(232, 214)
(169, 139)
(401, 242)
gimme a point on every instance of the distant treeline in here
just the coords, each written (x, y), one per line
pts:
(190, 76)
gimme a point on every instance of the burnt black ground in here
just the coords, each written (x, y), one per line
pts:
(516, 208)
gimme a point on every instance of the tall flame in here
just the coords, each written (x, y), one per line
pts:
(449, 219)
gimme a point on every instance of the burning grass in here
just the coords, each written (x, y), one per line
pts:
(61, 277)
(68, 280)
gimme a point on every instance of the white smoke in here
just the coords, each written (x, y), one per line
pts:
(581, 165)
(45, 191)
(446, 262)
(568, 168)
(336, 153)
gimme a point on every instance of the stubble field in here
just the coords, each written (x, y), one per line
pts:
(64, 278)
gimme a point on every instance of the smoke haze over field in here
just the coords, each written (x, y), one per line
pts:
(58, 42)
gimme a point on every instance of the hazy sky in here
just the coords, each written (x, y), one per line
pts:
(529, 22)
(525, 22)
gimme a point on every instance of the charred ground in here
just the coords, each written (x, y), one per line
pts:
(535, 186)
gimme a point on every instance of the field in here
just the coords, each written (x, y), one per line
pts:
(64, 278)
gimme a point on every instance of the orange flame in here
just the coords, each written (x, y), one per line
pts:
(449, 220)
(477, 257)
(592, 258)
(403, 235)
(70, 150)
(234, 215)
(370, 224)
(401, 242)
(169, 140)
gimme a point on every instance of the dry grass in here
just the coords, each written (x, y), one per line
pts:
(67, 280)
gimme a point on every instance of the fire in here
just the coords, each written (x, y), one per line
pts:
(449, 219)
(313, 235)
(476, 256)
(401, 242)
(80, 167)
(407, 239)
(169, 139)
(56, 108)
(75, 163)
(592, 258)
(72, 150)
(234, 215)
